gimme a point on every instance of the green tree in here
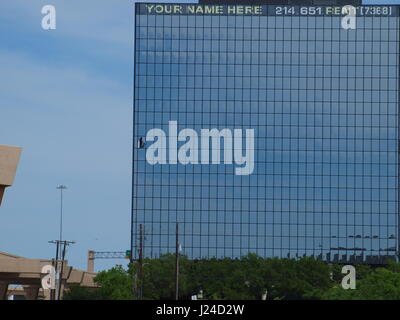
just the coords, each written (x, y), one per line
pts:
(115, 284)
(226, 278)
(245, 278)
(381, 284)
(393, 266)
(296, 279)
(76, 292)
(159, 277)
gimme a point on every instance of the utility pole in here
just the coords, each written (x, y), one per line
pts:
(177, 264)
(65, 243)
(55, 265)
(61, 248)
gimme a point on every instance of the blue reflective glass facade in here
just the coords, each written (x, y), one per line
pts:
(323, 103)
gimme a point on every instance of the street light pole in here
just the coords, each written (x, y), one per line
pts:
(61, 188)
(60, 252)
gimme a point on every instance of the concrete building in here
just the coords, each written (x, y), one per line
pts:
(9, 158)
(27, 274)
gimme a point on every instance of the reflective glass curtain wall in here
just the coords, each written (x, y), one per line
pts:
(323, 103)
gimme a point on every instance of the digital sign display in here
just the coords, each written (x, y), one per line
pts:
(264, 10)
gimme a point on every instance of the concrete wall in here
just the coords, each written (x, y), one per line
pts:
(15, 270)
(9, 158)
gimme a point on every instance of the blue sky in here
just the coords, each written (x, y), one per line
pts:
(66, 98)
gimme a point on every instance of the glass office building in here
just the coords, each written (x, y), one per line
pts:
(268, 129)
